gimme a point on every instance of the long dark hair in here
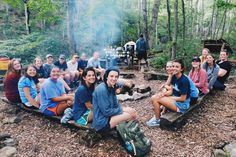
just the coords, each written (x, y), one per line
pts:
(107, 73)
(35, 78)
(84, 74)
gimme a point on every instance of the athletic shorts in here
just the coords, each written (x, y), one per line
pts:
(182, 106)
(83, 120)
(142, 56)
(51, 111)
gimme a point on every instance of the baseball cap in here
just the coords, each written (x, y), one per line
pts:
(196, 58)
(48, 55)
(62, 56)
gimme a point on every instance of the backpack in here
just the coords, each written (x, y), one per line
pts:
(141, 46)
(133, 139)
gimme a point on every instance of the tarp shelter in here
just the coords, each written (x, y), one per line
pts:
(215, 46)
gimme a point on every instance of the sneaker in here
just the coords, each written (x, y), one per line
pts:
(68, 114)
(153, 122)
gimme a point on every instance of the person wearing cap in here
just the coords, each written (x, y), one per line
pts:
(95, 63)
(107, 111)
(73, 68)
(212, 70)
(199, 75)
(61, 63)
(48, 65)
(224, 71)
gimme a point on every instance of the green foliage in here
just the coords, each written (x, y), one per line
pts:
(27, 47)
(222, 4)
(159, 61)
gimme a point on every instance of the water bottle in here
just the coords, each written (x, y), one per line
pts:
(128, 146)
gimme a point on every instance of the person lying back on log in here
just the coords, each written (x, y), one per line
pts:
(179, 98)
(53, 98)
(82, 108)
(27, 87)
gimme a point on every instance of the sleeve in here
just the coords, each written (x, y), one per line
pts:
(213, 77)
(105, 106)
(202, 78)
(26, 83)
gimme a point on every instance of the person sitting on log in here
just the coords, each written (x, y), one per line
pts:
(11, 80)
(95, 63)
(199, 76)
(212, 70)
(224, 70)
(53, 98)
(73, 70)
(27, 87)
(177, 99)
(205, 52)
(82, 108)
(106, 109)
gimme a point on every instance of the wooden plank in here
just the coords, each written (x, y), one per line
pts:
(70, 123)
(170, 118)
(155, 76)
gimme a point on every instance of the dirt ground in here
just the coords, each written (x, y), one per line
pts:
(207, 127)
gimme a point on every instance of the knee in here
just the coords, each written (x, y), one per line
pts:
(154, 98)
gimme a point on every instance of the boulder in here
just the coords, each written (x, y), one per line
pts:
(138, 96)
(143, 89)
(231, 148)
(11, 120)
(9, 142)
(124, 97)
(7, 151)
(219, 153)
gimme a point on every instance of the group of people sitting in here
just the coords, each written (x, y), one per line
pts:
(181, 90)
(98, 103)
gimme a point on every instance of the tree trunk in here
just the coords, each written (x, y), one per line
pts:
(224, 21)
(184, 18)
(211, 22)
(144, 8)
(168, 16)
(155, 11)
(214, 24)
(174, 46)
(72, 25)
(27, 17)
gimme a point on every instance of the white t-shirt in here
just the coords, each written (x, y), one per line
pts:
(72, 67)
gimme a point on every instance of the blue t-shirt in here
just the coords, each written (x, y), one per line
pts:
(50, 89)
(82, 64)
(26, 82)
(181, 86)
(82, 95)
(94, 63)
(194, 92)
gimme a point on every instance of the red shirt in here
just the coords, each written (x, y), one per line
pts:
(11, 87)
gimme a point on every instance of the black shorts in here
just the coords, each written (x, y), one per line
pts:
(142, 56)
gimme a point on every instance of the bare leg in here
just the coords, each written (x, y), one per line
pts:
(90, 116)
(61, 107)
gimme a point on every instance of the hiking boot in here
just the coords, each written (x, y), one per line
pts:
(153, 122)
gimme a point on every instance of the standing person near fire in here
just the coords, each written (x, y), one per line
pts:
(141, 49)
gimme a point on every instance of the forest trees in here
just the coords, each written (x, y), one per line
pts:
(173, 26)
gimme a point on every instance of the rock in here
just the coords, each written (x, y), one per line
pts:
(1, 116)
(124, 97)
(9, 142)
(7, 151)
(233, 134)
(4, 136)
(138, 96)
(143, 89)
(220, 144)
(11, 120)
(219, 153)
(231, 148)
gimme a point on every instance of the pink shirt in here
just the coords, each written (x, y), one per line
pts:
(199, 78)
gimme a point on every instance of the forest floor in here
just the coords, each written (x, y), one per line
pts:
(208, 126)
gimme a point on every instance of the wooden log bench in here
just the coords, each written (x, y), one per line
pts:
(174, 120)
(127, 75)
(89, 136)
(155, 76)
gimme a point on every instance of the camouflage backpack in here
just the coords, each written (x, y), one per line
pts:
(133, 139)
